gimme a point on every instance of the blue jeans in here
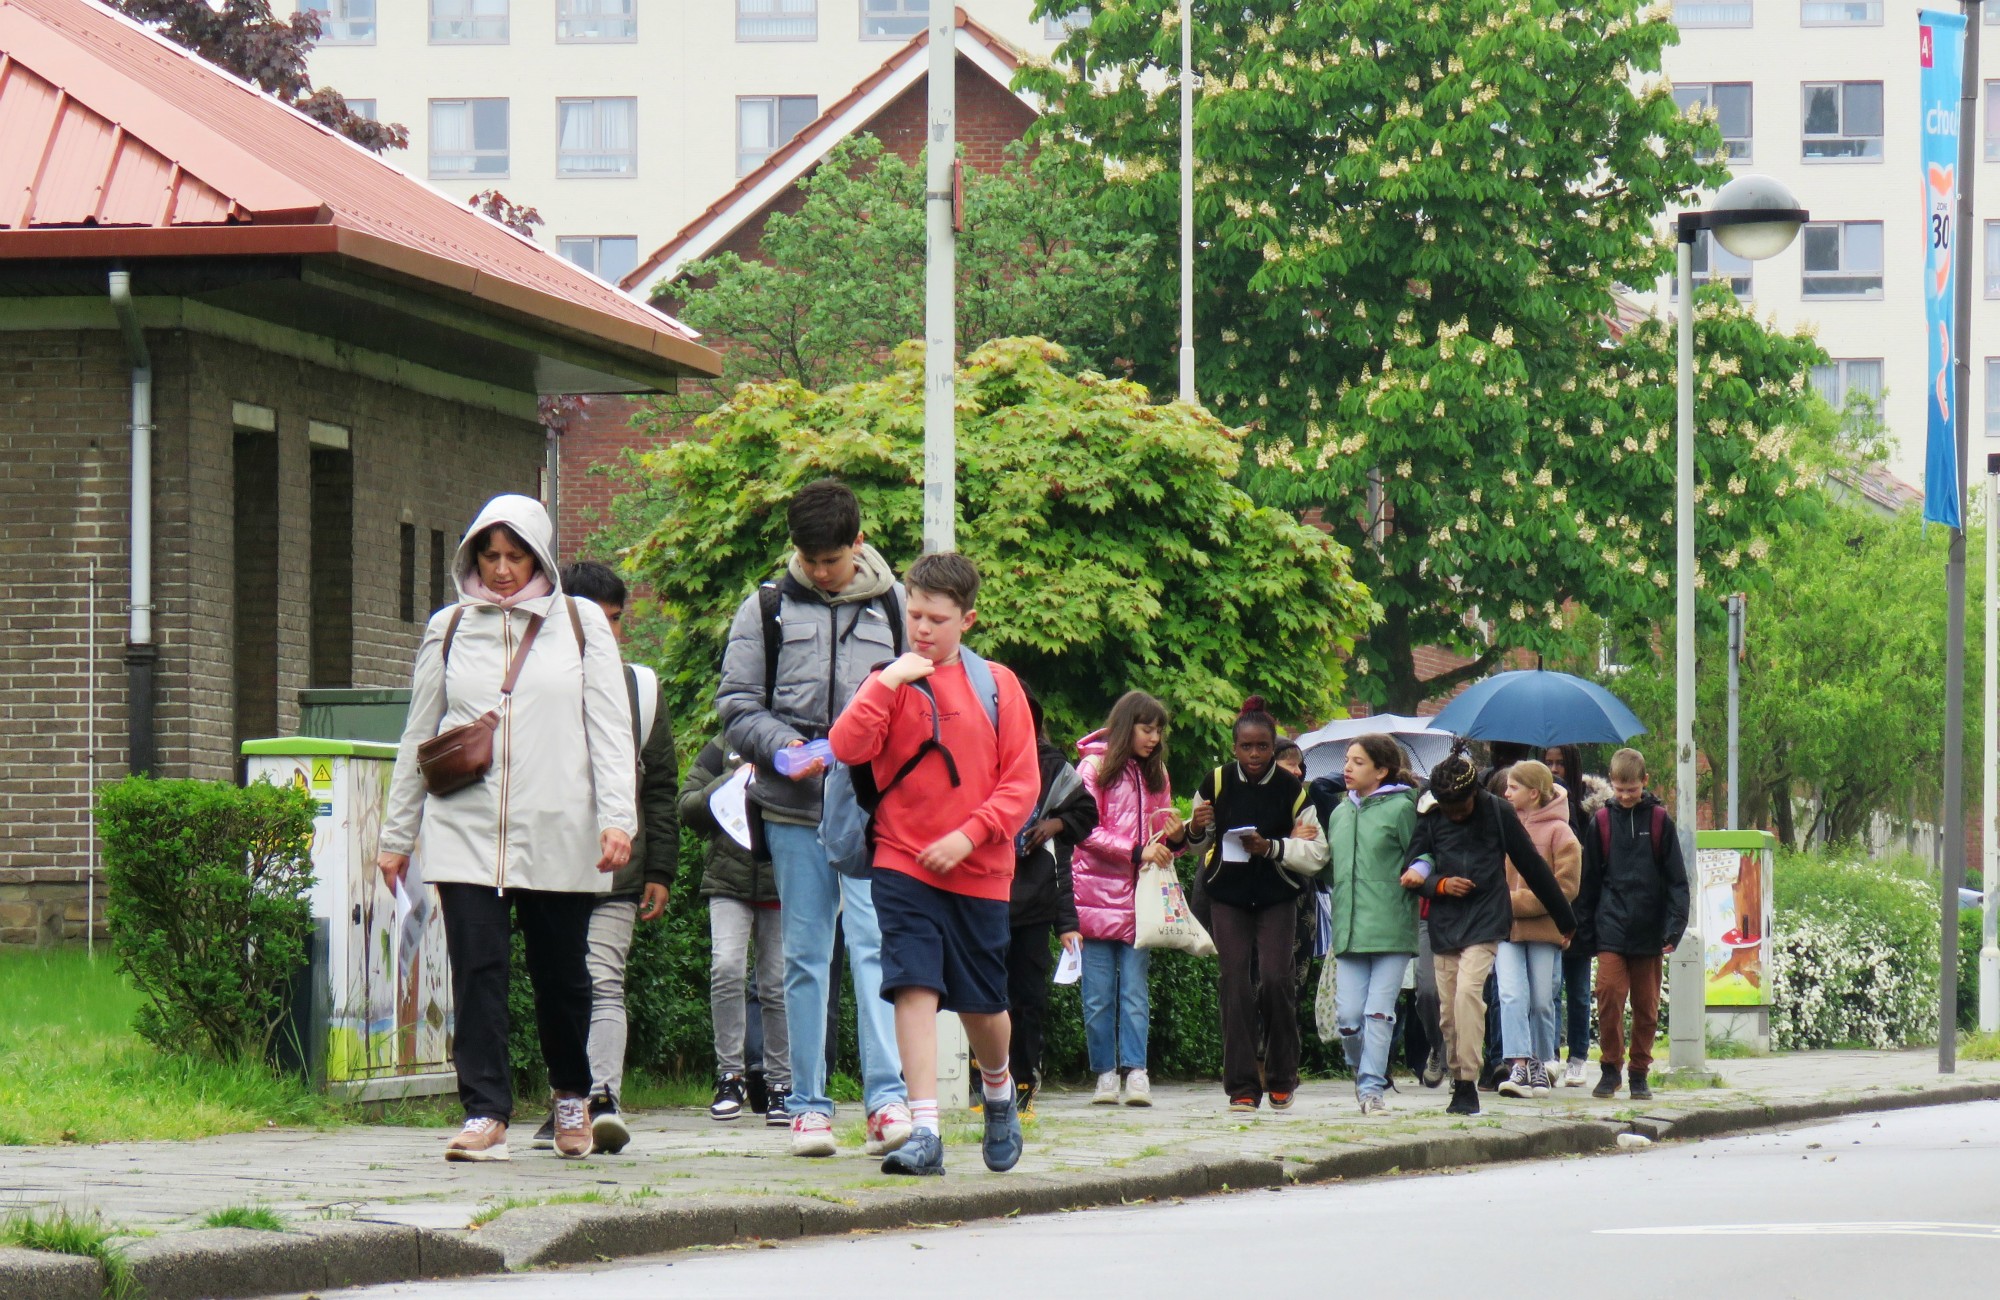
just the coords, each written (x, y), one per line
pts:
(1578, 1009)
(1364, 1007)
(813, 897)
(1116, 1004)
(1527, 975)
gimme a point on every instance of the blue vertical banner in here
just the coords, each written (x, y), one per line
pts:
(1941, 53)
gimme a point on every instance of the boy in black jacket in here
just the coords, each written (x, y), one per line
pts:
(1458, 860)
(1635, 891)
(1043, 902)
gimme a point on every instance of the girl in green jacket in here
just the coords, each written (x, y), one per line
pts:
(1374, 917)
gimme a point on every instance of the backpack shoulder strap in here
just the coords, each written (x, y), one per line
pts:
(632, 696)
(892, 609)
(769, 601)
(451, 632)
(575, 623)
(980, 674)
(1659, 835)
(1603, 819)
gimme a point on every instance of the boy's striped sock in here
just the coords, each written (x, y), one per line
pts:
(995, 1084)
(924, 1115)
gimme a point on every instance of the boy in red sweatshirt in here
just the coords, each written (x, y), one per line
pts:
(951, 745)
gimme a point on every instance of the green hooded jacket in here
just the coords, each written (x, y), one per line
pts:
(1369, 842)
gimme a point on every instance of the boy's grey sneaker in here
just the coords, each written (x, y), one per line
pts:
(1641, 1090)
(775, 1114)
(921, 1155)
(1607, 1083)
(1434, 1070)
(608, 1134)
(545, 1136)
(1002, 1144)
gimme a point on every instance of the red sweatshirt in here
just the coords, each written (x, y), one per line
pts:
(1000, 779)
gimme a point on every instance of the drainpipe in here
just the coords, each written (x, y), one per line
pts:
(140, 652)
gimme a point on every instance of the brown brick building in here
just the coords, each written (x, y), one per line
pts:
(890, 104)
(324, 369)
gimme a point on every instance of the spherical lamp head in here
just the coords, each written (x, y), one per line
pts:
(1735, 217)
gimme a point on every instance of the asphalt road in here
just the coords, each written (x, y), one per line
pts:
(1899, 1204)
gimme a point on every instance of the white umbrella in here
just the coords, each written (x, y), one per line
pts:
(1326, 749)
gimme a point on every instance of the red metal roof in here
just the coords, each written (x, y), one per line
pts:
(815, 138)
(120, 143)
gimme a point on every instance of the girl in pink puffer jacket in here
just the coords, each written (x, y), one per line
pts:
(1124, 767)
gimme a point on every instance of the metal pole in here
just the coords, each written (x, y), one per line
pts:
(1187, 203)
(1737, 609)
(1989, 948)
(1686, 1046)
(1954, 577)
(940, 275)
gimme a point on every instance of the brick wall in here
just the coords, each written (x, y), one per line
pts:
(64, 399)
(989, 119)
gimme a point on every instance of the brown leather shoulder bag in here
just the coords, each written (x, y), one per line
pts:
(452, 760)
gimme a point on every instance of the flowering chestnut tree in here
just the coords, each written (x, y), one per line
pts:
(1413, 222)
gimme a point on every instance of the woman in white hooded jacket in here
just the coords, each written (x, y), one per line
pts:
(536, 839)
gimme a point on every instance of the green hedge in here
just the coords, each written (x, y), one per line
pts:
(1855, 952)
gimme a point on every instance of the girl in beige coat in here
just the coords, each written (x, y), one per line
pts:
(535, 841)
(1527, 964)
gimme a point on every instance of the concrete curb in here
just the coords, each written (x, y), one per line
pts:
(309, 1257)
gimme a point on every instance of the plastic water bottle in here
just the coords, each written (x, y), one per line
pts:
(798, 757)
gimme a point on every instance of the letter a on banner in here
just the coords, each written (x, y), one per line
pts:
(1941, 54)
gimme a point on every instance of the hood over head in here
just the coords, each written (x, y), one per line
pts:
(1094, 744)
(527, 519)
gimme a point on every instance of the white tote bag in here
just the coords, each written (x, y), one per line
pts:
(1161, 915)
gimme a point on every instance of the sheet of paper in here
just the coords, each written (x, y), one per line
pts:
(1069, 967)
(1233, 848)
(731, 806)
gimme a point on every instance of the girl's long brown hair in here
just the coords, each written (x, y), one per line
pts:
(1133, 709)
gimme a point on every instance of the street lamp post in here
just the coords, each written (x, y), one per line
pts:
(1754, 217)
(1187, 202)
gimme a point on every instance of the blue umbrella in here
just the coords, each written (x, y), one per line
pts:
(1539, 708)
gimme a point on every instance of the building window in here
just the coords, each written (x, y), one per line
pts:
(1843, 260)
(597, 20)
(598, 137)
(468, 22)
(1712, 13)
(406, 574)
(765, 122)
(893, 20)
(1993, 397)
(468, 137)
(343, 22)
(1057, 26)
(1852, 387)
(608, 257)
(1843, 120)
(364, 108)
(1730, 102)
(1993, 259)
(1714, 264)
(1992, 122)
(777, 20)
(1840, 13)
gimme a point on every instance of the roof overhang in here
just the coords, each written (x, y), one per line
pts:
(577, 350)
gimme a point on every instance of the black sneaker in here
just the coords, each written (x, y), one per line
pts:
(608, 1134)
(1607, 1085)
(1516, 1082)
(545, 1136)
(1641, 1090)
(775, 1113)
(1464, 1098)
(759, 1093)
(729, 1098)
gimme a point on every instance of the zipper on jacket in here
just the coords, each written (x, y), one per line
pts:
(507, 762)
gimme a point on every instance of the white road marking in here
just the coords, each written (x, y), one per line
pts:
(1976, 1231)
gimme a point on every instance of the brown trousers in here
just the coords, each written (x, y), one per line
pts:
(1461, 981)
(1623, 976)
(1257, 941)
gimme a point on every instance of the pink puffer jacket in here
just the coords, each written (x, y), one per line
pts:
(1127, 815)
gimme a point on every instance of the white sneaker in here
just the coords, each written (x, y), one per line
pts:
(1138, 1089)
(888, 1128)
(812, 1134)
(1574, 1072)
(1107, 1089)
(1374, 1105)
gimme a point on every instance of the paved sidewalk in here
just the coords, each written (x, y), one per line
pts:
(683, 1170)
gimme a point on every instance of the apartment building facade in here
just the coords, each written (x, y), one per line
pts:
(618, 120)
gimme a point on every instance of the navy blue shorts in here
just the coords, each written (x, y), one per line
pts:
(934, 939)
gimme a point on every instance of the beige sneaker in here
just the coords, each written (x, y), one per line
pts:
(480, 1139)
(573, 1136)
(1107, 1089)
(1138, 1088)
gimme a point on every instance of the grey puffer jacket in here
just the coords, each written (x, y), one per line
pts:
(830, 645)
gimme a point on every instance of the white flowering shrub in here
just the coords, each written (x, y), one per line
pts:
(1854, 954)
